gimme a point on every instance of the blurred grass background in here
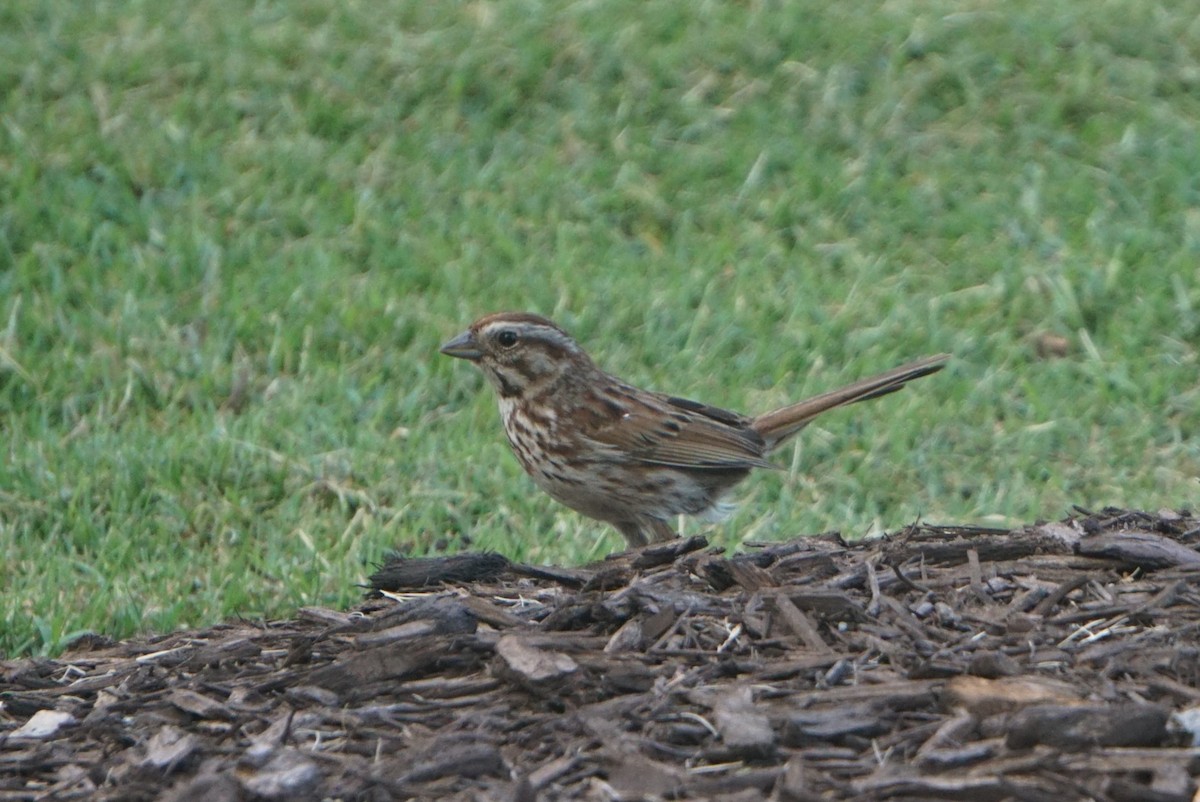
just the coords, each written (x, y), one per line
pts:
(232, 236)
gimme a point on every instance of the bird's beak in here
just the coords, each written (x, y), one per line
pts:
(463, 346)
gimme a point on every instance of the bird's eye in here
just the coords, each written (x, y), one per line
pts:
(507, 338)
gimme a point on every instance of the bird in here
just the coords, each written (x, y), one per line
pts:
(632, 458)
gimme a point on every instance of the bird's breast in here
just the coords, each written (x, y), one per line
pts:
(530, 433)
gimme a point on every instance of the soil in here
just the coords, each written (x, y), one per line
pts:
(1059, 661)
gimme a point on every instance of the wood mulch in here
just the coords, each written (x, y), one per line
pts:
(1059, 661)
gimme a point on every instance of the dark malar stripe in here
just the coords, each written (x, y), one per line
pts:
(506, 386)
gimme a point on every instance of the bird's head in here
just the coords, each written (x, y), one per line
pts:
(518, 352)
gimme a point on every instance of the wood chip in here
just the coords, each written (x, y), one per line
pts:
(1072, 728)
(534, 666)
(44, 724)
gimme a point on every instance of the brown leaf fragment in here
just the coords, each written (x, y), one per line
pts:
(984, 697)
(1074, 727)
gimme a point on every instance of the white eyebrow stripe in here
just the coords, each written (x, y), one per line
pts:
(534, 331)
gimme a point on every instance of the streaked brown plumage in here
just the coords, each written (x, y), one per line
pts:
(630, 457)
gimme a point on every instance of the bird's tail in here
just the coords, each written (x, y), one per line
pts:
(780, 424)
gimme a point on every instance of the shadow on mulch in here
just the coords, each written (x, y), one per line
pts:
(1055, 662)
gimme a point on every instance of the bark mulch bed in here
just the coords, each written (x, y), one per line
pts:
(1056, 662)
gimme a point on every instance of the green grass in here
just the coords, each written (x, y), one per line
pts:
(233, 235)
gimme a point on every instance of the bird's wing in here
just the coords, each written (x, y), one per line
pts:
(664, 430)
